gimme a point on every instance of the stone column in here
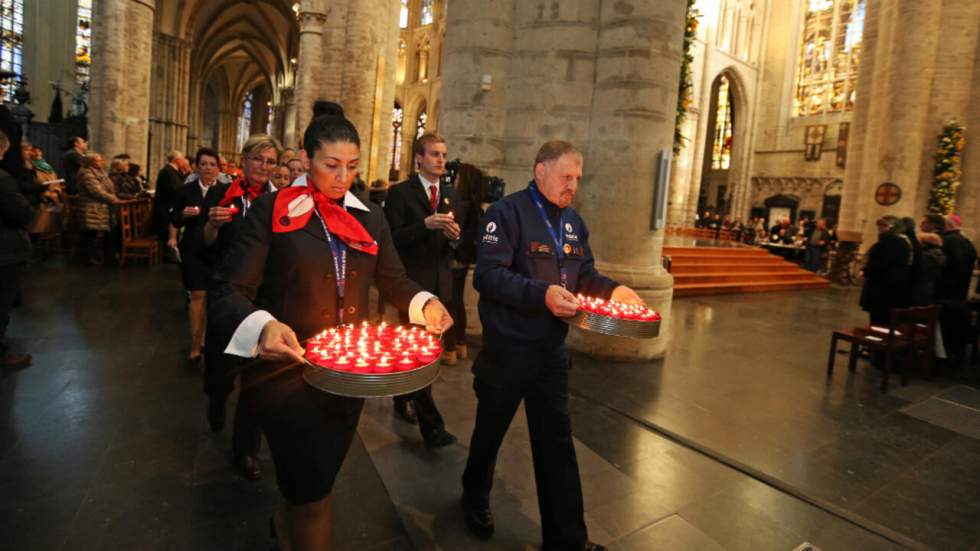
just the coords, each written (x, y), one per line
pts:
(633, 113)
(309, 67)
(169, 98)
(228, 134)
(122, 44)
(261, 96)
(891, 127)
(479, 44)
(968, 195)
(289, 138)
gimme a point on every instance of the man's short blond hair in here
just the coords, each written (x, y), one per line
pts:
(418, 148)
(174, 154)
(257, 143)
(555, 149)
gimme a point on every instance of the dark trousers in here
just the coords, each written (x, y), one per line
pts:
(812, 259)
(542, 384)
(457, 309)
(954, 320)
(220, 372)
(430, 420)
(10, 278)
(92, 246)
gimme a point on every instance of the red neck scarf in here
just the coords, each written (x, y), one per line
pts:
(241, 188)
(339, 222)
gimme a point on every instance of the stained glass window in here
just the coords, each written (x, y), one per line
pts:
(268, 124)
(420, 124)
(721, 152)
(11, 44)
(403, 15)
(397, 118)
(829, 56)
(245, 121)
(83, 42)
(426, 14)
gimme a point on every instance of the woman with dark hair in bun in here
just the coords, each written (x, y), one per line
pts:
(304, 260)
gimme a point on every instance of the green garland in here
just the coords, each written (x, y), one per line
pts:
(685, 87)
(942, 198)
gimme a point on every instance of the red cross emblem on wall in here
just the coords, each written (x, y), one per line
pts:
(888, 194)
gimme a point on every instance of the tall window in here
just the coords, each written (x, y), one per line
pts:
(245, 121)
(397, 118)
(11, 44)
(403, 15)
(420, 124)
(268, 124)
(425, 14)
(829, 56)
(83, 42)
(721, 151)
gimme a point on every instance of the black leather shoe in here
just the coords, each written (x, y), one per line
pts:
(589, 546)
(479, 520)
(406, 412)
(249, 466)
(216, 415)
(439, 438)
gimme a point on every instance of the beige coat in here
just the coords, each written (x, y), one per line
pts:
(96, 194)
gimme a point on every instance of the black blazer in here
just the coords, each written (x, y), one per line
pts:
(169, 180)
(291, 275)
(426, 253)
(189, 195)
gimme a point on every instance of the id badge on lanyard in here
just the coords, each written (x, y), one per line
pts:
(556, 237)
(339, 252)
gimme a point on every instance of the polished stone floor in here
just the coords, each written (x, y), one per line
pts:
(733, 442)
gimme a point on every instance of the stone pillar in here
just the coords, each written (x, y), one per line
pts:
(289, 137)
(261, 96)
(122, 44)
(633, 113)
(479, 44)
(228, 134)
(169, 99)
(968, 195)
(891, 131)
(309, 67)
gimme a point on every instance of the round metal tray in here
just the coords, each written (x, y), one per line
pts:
(370, 385)
(616, 327)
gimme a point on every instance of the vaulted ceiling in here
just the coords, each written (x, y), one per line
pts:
(237, 45)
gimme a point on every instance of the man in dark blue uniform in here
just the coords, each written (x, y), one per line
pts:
(533, 256)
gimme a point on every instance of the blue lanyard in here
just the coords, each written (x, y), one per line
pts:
(339, 252)
(558, 238)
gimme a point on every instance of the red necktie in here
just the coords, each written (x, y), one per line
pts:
(433, 200)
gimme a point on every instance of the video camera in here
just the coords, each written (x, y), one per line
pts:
(494, 188)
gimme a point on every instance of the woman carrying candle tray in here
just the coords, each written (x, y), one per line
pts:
(304, 261)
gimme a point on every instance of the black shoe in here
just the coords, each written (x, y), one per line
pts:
(216, 415)
(404, 409)
(439, 438)
(589, 546)
(15, 361)
(249, 466)
(479, 520)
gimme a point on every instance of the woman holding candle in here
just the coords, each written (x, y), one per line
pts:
(305, 260)
(187, 214)
(227, 207)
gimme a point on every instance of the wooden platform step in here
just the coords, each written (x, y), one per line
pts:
(722, 270)
(695, 289)
(733, 266)
(750, 277)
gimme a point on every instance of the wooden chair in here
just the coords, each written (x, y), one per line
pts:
(910, 329)
(134, 217)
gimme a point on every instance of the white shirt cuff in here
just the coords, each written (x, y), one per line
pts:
(415, 314)
(245, 341)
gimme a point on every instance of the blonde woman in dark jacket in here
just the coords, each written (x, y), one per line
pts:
(96, 195)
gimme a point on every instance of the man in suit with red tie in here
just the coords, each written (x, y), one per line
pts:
(421, 214)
